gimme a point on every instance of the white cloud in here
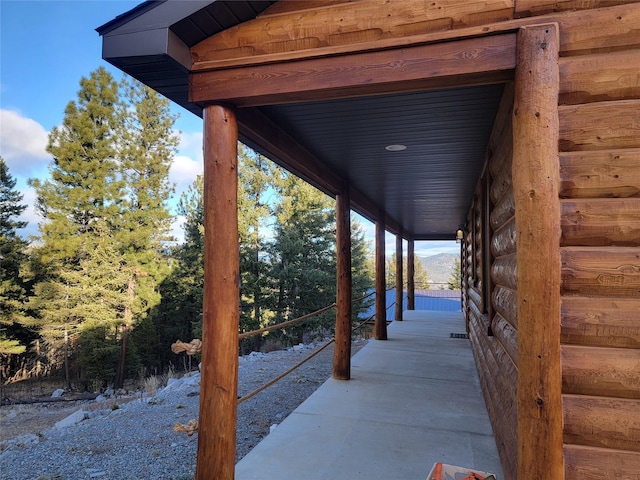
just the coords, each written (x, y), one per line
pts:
(184, 170)
(188, 164)
(23, 143)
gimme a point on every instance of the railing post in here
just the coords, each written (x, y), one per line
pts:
(219, 376)
(381, 291)
(411, 274)
(342, 349)
(399, 279)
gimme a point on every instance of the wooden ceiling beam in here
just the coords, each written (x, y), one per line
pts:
(423, 67)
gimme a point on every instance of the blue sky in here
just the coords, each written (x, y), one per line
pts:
(46, 46)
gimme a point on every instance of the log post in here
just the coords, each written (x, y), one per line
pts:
(219, 377)
(342, 349)
(536, 184)
(399, 279)
(411, 275)
(381, 291)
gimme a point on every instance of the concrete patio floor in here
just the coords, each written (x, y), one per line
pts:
(413, 400)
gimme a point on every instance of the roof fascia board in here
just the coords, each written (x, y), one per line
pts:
(162, 15)
(161, 41)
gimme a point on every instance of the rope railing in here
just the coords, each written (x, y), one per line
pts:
(287, 323)
(285, 373)
(195, 346)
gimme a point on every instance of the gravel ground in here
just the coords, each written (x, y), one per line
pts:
(136, 440)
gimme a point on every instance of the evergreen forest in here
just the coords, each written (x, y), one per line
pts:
(102, 291)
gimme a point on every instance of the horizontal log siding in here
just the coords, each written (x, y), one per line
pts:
(496, 356)
(600, 218)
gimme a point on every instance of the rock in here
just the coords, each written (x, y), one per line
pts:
(279, 416)
(100, 398)
(58, 393)
(72, 419)
(12, 414)
(273, 427)
(109, 392)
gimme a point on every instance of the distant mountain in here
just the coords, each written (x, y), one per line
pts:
(439, 268)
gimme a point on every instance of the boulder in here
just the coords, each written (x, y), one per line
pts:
(58, 393)
(72, 419)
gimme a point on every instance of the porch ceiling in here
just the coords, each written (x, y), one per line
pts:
(425, 190)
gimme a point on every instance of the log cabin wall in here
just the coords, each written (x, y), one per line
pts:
(599, 112)
(491, 312)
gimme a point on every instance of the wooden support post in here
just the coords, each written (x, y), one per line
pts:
(536, 184)
(381, 290)
(399, 279)
(411, 275)
(219, 378)
(342, 349)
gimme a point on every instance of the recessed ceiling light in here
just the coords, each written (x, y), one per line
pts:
(395, 148)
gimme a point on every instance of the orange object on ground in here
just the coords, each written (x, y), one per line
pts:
(442, 471)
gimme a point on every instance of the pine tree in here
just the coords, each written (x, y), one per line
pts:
(303, 254)
(255, 189)
(84, 186)
(421, 277)
(147, 147)
(455, 280)
(180, 314)
(80, 206)
(12, 255)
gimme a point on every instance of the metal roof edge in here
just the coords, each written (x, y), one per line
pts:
(128, 16)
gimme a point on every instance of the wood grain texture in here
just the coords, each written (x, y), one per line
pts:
(502, 182)
(504, 271)
(421, 67)
(505, 302)
(475, 297)
(498, 382)
(221, 314)
(503, 210)
(507, 336)
(585, 31)
(501, 134)
(399, 279)
(527, 8)
(604, 174)
(610, 372)
(503, 241)
(601, 222)
(601, 271)
(342, 349)
(535, 185)
(601, 322)
(601, 30)
(590, 463)
(602, 422)
(381, 294)
(600, 126)
(411, 275)
(300, 27)
(598, 78)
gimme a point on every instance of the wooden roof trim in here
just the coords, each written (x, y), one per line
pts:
(510, 26)
(567, 20)
(443, 65)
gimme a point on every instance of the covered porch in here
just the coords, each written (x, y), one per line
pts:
(413, 400)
